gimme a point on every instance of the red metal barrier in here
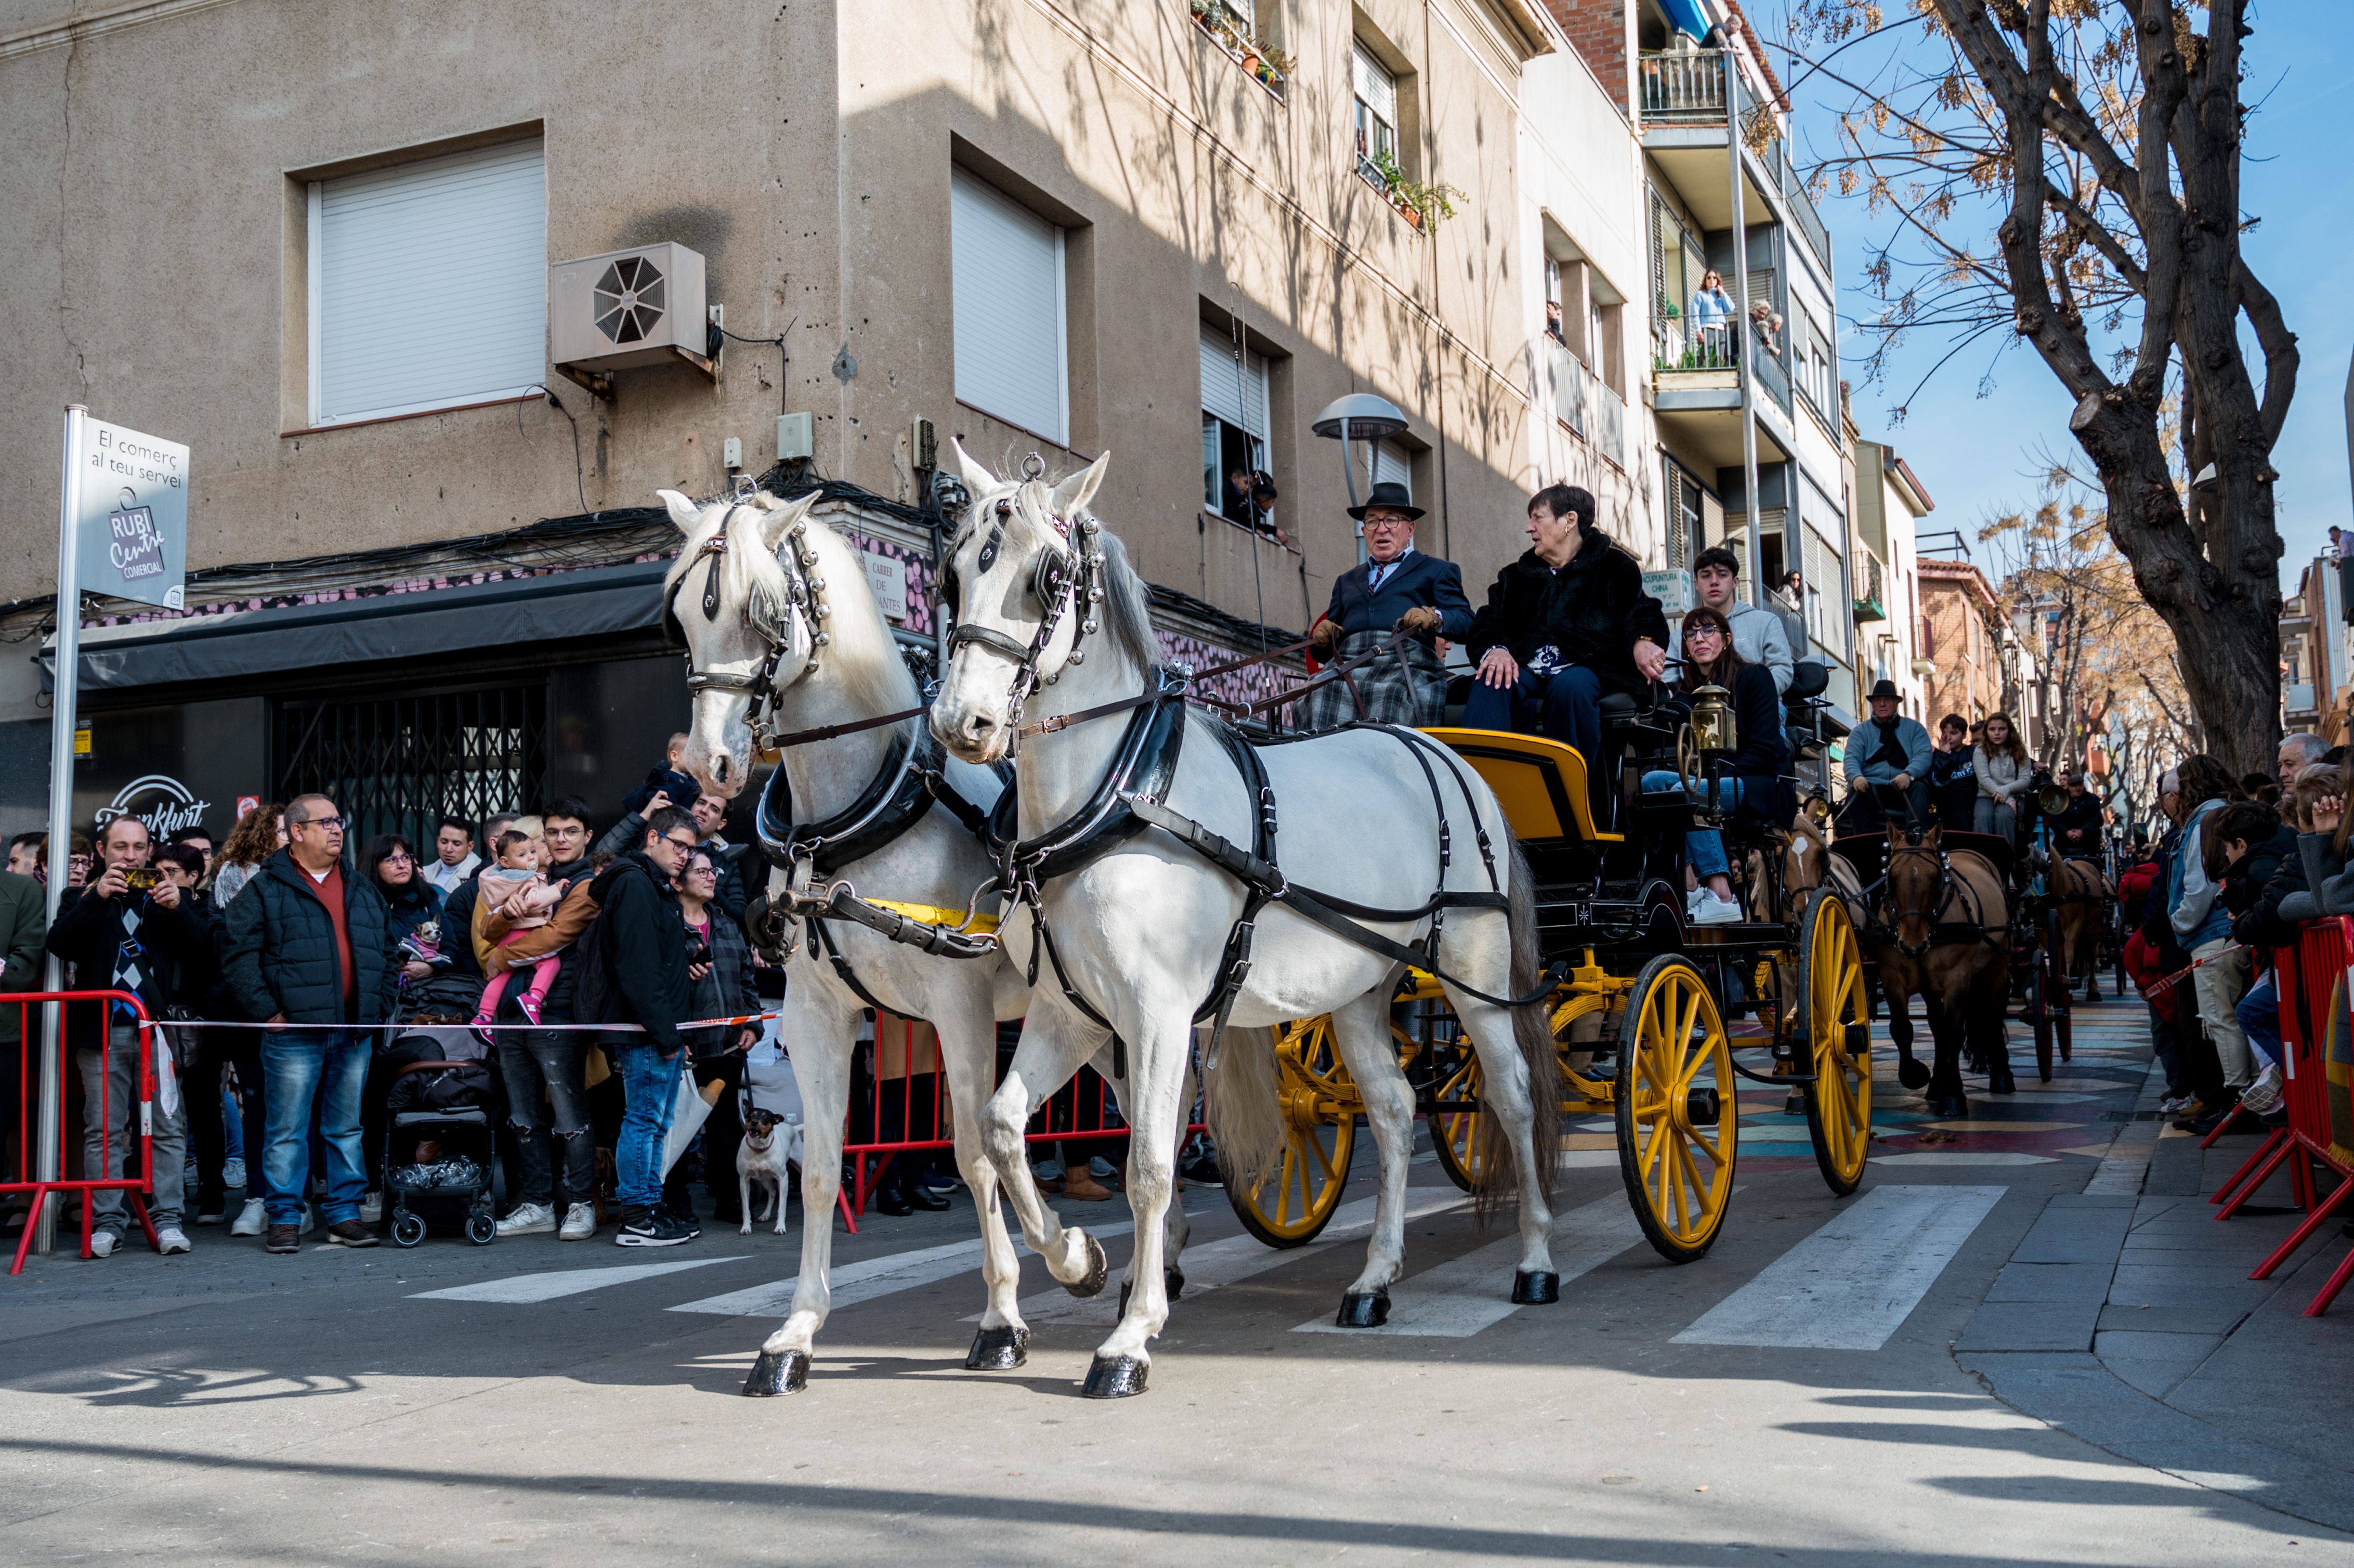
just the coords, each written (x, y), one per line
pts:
(2314, 979)
(901, 1118)
(41, 1184)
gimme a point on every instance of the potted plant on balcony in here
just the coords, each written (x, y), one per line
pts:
(1420, 202)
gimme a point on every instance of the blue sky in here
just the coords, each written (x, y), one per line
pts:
(1972, 434)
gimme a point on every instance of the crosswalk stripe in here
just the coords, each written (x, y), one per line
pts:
(522, 1289)
(867, 1278)
(1850, 1285)
(1233, 1259)
(1458, 1298)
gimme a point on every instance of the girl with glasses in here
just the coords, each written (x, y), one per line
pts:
(1750, 777)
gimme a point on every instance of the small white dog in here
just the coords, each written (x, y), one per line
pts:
(762, 1158)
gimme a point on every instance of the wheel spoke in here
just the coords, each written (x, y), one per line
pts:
(1323, 1160)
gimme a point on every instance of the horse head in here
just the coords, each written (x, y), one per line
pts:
(1023, 580)
(1916, 886)
(751, 622)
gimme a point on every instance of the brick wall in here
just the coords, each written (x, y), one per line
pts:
(1600, 32)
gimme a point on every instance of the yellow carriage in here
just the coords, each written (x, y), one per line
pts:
(1649, 1020)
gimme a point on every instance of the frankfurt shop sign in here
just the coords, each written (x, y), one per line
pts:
(134, 520)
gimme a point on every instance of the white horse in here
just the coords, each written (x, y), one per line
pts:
(781, 626)
(1137, 934)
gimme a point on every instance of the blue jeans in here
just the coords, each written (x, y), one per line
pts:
(294, 1069)
(1565, 705)
(2259, 1015)
(648, 1092)
(1703, 847)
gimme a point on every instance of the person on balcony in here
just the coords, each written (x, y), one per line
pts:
(1396, 587)
(1712, 311)
(1564, 624)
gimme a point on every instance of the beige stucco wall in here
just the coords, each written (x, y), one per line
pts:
(152, 186)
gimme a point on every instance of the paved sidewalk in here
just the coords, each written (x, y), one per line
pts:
(2125, 1317)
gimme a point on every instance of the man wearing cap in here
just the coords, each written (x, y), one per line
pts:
(1395, 587)
(1564, 624)
(1886, 749)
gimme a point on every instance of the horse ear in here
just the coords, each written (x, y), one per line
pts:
(683, 512)
(978, 480)
(1932, 835)
(1073, 495)
(779, 518)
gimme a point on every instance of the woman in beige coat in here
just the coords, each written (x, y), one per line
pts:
(2004, 772)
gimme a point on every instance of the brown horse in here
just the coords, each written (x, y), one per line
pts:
(1939, 924)
(2084, 895)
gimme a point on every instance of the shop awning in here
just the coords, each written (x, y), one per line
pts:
(597, 602)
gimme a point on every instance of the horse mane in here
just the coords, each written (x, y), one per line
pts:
(1127, 610)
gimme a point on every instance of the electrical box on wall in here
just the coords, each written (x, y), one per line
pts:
(627, 309)
(796, 436)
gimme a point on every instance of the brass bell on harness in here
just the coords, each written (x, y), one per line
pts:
(1713, 726)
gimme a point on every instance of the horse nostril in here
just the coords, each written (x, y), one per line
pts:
(719, 768)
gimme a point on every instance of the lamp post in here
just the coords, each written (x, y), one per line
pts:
(1363, 416)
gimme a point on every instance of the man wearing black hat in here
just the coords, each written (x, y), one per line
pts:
(1564, 624)
(1886, 749)
(1395, 587)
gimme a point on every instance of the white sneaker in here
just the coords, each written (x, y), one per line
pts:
(1691, 902)
(1716, 911)
(372, 1208)
(170, 1239)
(2262, 1095)
(251, 1220)
(233, 1173)
(579, 1223)
(102, 1243)
(527, 1220)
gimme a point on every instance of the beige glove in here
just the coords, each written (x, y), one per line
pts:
(1321, 638)
(1421, 617)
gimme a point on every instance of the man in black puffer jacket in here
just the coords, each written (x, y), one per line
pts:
(1565, 624)
(310, 941)
(633, 970)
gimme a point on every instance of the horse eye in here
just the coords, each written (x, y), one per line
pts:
(988, 553)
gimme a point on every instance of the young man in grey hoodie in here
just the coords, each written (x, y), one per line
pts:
(1758, 635)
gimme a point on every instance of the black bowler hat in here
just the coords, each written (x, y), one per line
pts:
(1885, 689)
(1393, 497)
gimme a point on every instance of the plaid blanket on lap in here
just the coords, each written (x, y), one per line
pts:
(1408, 687)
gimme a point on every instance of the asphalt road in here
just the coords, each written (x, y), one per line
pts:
(1795, 1395)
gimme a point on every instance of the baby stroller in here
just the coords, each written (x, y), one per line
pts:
(439, 1142)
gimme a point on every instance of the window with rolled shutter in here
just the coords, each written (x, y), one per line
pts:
(428, 284)
(1374, 94)
(1234, 422)
(1007, 295)
(1393, 464)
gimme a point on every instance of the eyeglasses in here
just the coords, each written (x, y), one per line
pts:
(681, 843)
(333, 824)
(400, 855)
(1389, 523)
(1694, 633)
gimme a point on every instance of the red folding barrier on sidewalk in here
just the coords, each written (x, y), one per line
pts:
(33, 1046)
(2317, 1062)
(908, 1109)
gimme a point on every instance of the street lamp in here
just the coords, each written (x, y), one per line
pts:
(1365, 417)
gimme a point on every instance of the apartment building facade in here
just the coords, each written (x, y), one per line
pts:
(313, 239)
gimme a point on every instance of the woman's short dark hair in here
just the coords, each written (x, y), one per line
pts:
(1565, 501)
(382, 846)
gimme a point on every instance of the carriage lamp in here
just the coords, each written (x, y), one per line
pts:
(2051, 798)
(1713, 727)
(1819, 808)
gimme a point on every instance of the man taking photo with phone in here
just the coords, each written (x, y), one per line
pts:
(131, 931)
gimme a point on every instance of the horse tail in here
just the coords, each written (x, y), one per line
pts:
(1532, 1033)
(1240, 1104)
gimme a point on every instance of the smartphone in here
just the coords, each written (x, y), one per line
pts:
(141, 879)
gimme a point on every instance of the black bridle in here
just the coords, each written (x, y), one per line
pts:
(804, 594)
(1063, 578)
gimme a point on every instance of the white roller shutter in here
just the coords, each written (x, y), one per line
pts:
(428, 284)
(1223, 389)
(1393, 464)
(1008, 265)
(1376, 84)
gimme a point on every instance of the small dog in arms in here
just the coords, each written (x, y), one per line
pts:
(761, 1158)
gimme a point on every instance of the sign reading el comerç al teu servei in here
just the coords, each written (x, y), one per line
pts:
(134, 514)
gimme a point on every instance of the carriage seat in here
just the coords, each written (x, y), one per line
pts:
(1540, 782)
(1809, 679)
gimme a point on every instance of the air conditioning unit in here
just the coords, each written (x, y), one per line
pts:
(627, 309)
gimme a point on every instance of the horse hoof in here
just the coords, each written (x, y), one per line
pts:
(1115, 1377)
(777, 1372)
(1535, 1288)
(1001, 1349)
(1098, 1272)
(1369, 1308)
(2001, 1082)
(1912, 1073)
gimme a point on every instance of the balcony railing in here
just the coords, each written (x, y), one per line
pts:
(1684, 87)
(1802, 206)
(1585, 403)
(1677, 345)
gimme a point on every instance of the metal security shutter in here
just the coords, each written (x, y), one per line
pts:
(1376, 84)
(1393, 464)
(1008, 299)
(1222, 389)
(428, 284)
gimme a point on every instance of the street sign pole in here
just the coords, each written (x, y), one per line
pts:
(62, 770)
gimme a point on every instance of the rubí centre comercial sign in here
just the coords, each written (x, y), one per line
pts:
(133, 515)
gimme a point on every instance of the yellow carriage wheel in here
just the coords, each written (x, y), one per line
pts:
(1678, 1118)
(1835, 1024)
(1288, 1205)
